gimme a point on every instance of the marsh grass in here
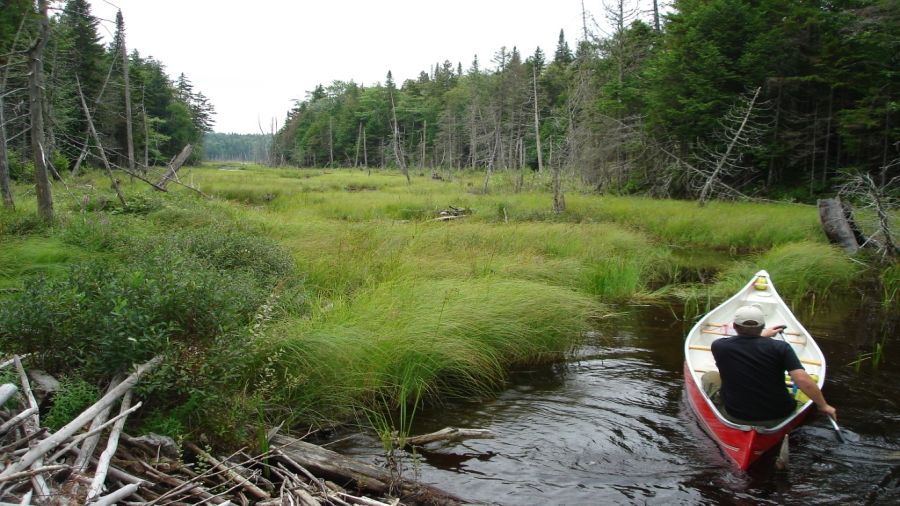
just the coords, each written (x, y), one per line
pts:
(389, 310)
(802, 272)
(438, 338)
(890, 286)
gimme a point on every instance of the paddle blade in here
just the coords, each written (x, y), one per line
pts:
(781, 462)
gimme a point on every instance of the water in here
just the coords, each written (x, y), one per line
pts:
(613, 426)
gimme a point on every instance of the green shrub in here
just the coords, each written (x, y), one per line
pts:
(60, 161)
(19, 223)
(73, 397)
(104, 315)
(19, 169)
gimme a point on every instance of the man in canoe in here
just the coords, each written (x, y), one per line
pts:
(749, 388)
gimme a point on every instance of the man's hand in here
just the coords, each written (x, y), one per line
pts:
(829, 410)
(772, 331)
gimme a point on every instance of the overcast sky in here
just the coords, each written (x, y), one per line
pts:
(252, 59)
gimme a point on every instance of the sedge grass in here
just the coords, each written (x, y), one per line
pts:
(446, 337)
(389, 305)
(802, 272)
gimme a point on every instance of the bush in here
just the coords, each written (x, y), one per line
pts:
(20, 170)
(174, 292)
(74, 396)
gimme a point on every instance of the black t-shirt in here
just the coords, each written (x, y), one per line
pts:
(752, 370)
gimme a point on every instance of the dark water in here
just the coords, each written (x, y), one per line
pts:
(613, 426)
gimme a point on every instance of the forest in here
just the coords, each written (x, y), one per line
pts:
(140, 115)
(776, 98)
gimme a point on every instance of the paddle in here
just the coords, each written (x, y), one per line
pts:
(837, 429)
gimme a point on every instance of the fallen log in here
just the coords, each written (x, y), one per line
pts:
(450, 434)
(839, 226)
(364, 476)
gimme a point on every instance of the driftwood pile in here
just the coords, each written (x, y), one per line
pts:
(40, 467)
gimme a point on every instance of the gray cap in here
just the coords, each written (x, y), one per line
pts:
(749, 316)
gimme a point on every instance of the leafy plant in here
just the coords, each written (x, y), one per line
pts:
(73, 397)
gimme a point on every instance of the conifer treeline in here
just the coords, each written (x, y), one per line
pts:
(641, 110)
(166, 114)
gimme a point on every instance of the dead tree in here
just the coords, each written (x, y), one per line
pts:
(882, 201)
(398, 149)
(173, 167)
(120, 28)
(87, 115)
(740, 134)
(537, 123)
(5, 187)
(36, 107)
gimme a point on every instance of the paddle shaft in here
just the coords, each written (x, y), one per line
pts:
(837, 429)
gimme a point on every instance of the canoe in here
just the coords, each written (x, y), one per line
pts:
(744, 444)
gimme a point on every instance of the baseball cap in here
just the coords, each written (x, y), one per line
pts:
(749, 316)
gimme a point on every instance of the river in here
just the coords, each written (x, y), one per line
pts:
(612, 426)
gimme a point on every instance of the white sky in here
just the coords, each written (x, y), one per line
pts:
(252, 59)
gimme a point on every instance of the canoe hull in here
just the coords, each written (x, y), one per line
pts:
(744, 445)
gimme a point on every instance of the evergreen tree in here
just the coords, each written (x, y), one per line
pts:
(563, 55)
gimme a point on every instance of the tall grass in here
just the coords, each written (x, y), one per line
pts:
(387, 306)
(743, 226)
(437, 337)
(890, 286)
(802, 272)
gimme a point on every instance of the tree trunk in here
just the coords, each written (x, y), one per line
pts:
(559, 200)
(837, 226)
(537, 124)
(36, 98)
(656, 15)
(424, 141)
(398, 150)
(770, 179)
(707, 187)
(87, 115)
(5, 185)
(146, 133)
(330, 141)
(129, 135)
(358, 140)
(365, 150)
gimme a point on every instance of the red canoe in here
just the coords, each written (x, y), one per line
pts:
(744, 444)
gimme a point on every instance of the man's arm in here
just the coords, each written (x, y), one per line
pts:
(808, 385)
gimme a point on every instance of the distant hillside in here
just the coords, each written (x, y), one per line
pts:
(236, 147)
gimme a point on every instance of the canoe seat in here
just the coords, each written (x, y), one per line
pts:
(716, 324)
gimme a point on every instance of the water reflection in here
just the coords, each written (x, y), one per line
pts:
(613, 427)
